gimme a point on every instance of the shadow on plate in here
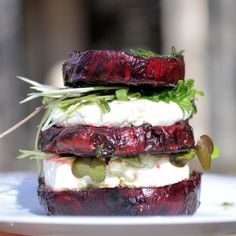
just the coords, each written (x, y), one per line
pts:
(27, 198)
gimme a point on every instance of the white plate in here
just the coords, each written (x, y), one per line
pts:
(21, 213)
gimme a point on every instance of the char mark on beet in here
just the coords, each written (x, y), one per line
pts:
(84, 140)
(99, 67)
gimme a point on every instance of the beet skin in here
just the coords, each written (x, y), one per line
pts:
(102, 67)
(178, 199)
(85, 140)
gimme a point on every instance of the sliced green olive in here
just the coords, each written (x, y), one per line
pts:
(177, 161)
(204, 149)
(81, 167)
(97, 170)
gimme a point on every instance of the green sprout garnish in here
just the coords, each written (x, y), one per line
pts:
(147, 54)
(62, 98)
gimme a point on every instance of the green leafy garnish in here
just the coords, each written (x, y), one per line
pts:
(35, 154)
(227, 204)
(184, 95)
(147, 54)
(131, 161)
(103, 104)
(64, 98)
(185, 155)
(180, 159)
(122, 94)
(48, 93)
(176, 53)
(216, 152)
(143, 53)
(100, 150)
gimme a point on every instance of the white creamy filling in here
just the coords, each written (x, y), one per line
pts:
(149, 171)
(123, 113)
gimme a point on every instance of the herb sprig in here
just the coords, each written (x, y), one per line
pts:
(35, 154)
(184, 95)
(147, 54)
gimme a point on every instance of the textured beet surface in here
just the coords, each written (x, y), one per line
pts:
(99, 67)
(85, 140)
(177, 199)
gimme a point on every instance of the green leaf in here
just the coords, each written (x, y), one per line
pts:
(137, 95)
(133, 161)
(122, 94)
(63, 98)
(175, 53)
(185, 155)
(147, 54)
(103, 104)
(183, 94)
(100, 150)
(143, 53)
(49, 93)
(33, 154)
(216, 152)
(227, 204)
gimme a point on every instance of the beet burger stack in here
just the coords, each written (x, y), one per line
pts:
(116, 139)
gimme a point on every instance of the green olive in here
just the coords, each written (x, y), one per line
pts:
(175, 161)
(81, 167)
(97, 170)
(93, 167)
(204, 149)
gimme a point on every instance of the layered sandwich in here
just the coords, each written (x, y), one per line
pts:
(116, 139)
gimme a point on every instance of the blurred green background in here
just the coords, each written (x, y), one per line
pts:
(36, 36)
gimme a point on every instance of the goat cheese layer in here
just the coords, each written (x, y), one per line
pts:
(122, 113)
(142, 171)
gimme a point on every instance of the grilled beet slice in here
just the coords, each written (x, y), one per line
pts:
(99, 67)
(177, 199)
(93, 141)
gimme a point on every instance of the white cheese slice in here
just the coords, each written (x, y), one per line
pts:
(148, 171)
(123, 113)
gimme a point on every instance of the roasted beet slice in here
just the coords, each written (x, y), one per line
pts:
(100, 67)
(178, 199)
(85, 140)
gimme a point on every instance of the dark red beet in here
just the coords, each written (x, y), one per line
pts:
(85, 140)
(100, 67)
(178, 199)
